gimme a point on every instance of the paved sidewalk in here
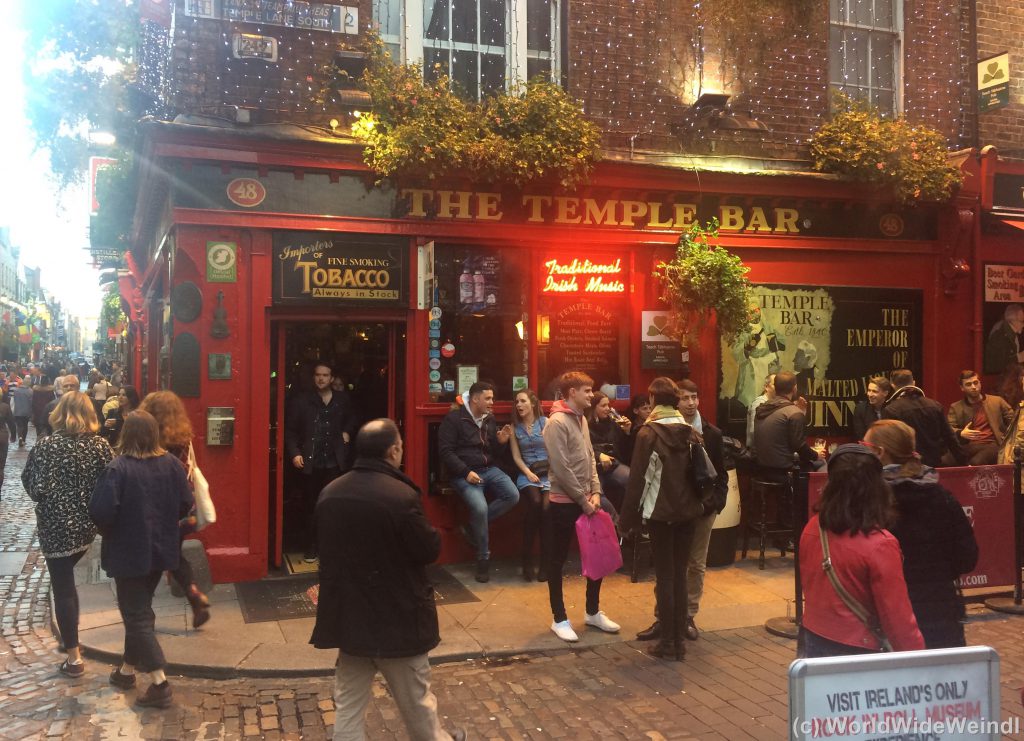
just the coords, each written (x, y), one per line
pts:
(511, 617)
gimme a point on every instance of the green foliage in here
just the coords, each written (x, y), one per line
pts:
(116, 191)
(78, 76)
(421, 130)
(110, 312)
(859, 144)
(704, 282)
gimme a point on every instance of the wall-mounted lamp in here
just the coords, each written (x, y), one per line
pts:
(711, 113)
(955, 271)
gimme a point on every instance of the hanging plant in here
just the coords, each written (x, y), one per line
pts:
(704, 282)
(859, 144)
(419, 130)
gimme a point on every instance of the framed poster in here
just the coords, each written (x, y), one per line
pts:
(1002, 316)
(834, 338)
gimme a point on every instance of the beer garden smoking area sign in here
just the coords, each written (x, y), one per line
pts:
(994, 82)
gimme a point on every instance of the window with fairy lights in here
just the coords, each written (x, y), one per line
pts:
(865, 41)
(484, 46)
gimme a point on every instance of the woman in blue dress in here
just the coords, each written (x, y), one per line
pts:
(531, 458)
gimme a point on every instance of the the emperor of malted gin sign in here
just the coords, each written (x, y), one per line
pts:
(322, 268)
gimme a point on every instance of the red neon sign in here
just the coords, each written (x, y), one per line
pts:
(583, 276)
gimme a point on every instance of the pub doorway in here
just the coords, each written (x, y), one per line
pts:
(368, 358)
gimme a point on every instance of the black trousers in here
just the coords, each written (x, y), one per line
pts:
(670, 546)
(561, 526)
(135, 601)
(533, 524)
(4, 445)
(22, 424)
(312, 484)
(65, 596)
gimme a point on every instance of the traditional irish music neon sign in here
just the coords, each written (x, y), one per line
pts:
(583, 276)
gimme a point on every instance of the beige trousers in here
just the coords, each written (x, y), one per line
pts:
(697, 564)
(408, 679)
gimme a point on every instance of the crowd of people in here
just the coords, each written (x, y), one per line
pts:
(126, 478)
(880, 555)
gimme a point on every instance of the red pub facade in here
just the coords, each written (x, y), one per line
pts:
(265, 253)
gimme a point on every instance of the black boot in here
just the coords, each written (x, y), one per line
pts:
(527, 568)
(652, 633)
(483, 571)
(665, 648)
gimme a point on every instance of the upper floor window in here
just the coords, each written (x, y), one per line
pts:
(484, 46)
(865, 43)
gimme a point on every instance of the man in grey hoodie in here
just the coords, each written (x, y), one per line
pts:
(575, 490)
(21, 402)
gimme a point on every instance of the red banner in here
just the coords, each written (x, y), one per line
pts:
(986, 494)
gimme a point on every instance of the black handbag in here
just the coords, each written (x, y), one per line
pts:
(703, 470)
(539, 468)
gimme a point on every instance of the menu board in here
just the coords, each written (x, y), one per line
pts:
(585, 336)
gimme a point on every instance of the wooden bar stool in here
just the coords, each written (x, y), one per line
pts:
(761, 490)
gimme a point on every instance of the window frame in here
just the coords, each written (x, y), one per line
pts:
(411, 40)
(896, 31)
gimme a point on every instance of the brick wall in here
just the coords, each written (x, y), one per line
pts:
(1000, 25)
(634, 66)
(203, 76)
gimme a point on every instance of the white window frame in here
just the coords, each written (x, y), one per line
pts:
(412, 42)
(896, 31)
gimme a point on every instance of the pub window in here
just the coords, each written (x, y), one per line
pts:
(479, 332)
(582, 318)
(483, 46)
(865, 42)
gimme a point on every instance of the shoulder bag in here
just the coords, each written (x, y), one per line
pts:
(869, 619)
(206, 514)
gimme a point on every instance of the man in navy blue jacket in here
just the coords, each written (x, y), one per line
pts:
(469, 442)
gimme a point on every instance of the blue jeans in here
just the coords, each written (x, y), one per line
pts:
(503, 494)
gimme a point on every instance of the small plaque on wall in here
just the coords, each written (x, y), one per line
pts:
(219, 366)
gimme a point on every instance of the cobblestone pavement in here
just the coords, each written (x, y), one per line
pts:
(732, 685)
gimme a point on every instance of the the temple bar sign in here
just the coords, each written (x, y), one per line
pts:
(543, 209)
(315, 268)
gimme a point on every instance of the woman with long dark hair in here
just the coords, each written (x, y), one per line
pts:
(851, 519)
(127, 402)
(531, 458)
(137, 504)
(609, 434)
(176, 439)
(60, 474)
(934, 533)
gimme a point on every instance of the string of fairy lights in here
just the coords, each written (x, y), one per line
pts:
(635, 64)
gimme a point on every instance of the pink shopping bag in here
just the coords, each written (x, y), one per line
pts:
(599, 545)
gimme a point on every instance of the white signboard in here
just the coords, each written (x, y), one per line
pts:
(939, 694)
(1004, 283)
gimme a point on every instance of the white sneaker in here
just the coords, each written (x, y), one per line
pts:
(601, 622)
(564, 631)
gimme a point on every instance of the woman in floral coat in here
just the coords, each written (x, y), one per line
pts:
(61, 472)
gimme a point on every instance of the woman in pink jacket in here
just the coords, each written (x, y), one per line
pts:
(855, 508)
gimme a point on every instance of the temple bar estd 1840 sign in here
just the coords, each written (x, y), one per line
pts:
(318, 267)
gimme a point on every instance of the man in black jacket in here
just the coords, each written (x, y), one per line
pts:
(909, 405)
(376, 604)
(780, 430)
(469, 442)
(696, 566)
(318, 427)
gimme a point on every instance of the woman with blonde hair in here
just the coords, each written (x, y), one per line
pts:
(137, 504)
(60, 474)
(934, 534)
(176, 439)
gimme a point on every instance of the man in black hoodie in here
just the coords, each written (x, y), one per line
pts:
(779, 430)
(909, 405)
